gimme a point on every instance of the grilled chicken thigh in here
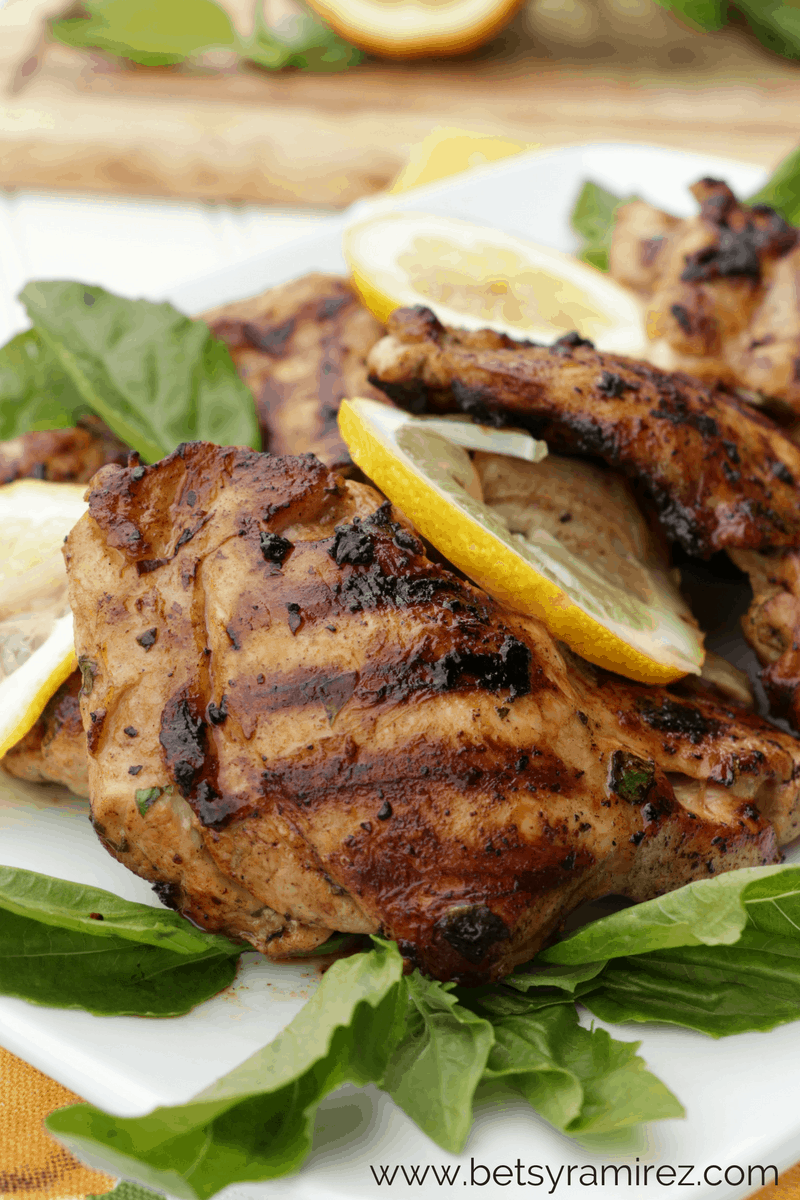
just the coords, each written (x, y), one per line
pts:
(301, 348)
(719, 473)
(297, 723)
(772, 625)
(722, 290)
(54, 751)
(60, 455)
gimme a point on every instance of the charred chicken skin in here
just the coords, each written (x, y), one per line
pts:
(297, 723)
(721, 289)
(720, 474)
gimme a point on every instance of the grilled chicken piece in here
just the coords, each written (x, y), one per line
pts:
(60, 455)
(640, 241)
(301, 348)
(719, 473)
(54, 751)
(297, 724)
(722, 289)
(772, 625)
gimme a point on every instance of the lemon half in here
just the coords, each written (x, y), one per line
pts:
(474, 277)
(36, 640)
(416, 28)
(429, 478)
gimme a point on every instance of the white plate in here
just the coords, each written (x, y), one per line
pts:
(739, 1092)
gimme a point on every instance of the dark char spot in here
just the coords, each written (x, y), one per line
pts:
(680, 719)
(353, 545)
(472, 931)
(183, 738)
(274, 547)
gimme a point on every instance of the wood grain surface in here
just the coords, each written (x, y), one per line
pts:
(68, 119)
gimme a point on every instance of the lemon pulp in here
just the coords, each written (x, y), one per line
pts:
(428, 476)
(36, 641)
(473, 277)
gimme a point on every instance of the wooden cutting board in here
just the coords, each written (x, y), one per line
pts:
(69, 120)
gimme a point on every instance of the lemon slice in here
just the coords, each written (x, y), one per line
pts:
(36, 646)
(416, 28)
(430, 478)
(474, 277)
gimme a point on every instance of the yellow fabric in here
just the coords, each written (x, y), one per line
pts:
(32, 1165)
(788, 1187)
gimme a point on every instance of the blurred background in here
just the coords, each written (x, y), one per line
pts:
(147, 141)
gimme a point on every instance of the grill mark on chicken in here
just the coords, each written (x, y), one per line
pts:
(462, 821)
(391, 683)
(704, 459)
(301, 347)
(683, 720)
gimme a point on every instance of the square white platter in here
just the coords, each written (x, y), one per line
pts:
(739, 1092)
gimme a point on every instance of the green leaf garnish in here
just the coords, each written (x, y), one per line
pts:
(593, 218)
(256, 1122)
(776, 23)
(149, 32)
(146, 798)
(439, 1062)
(107, 975)
(782, 189)
(580, 1080)
(155, 377)
(67, 905)
(720, 955)
(35, 391)
(156, 33)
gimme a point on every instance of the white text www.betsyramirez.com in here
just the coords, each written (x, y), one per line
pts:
(618, 1175)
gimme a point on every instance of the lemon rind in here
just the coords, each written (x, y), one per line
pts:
(476, 550)
(38, 679)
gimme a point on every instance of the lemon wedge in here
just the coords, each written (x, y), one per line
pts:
(416, 28)
(474, 277)
(36, 641)
(430, 478)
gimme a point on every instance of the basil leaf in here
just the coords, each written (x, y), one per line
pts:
(161, 34)
(76, 906)
(35, 392)
(582, 1081)
(593, 218)
(572, 979)
(438, 1064)
(782, 189)
(155, 377)
(110, 976)
(718, 990)
(708, 912)
(703, 14)
(150, 32)
(776, 23)
(301, 41)
(256, 1123)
